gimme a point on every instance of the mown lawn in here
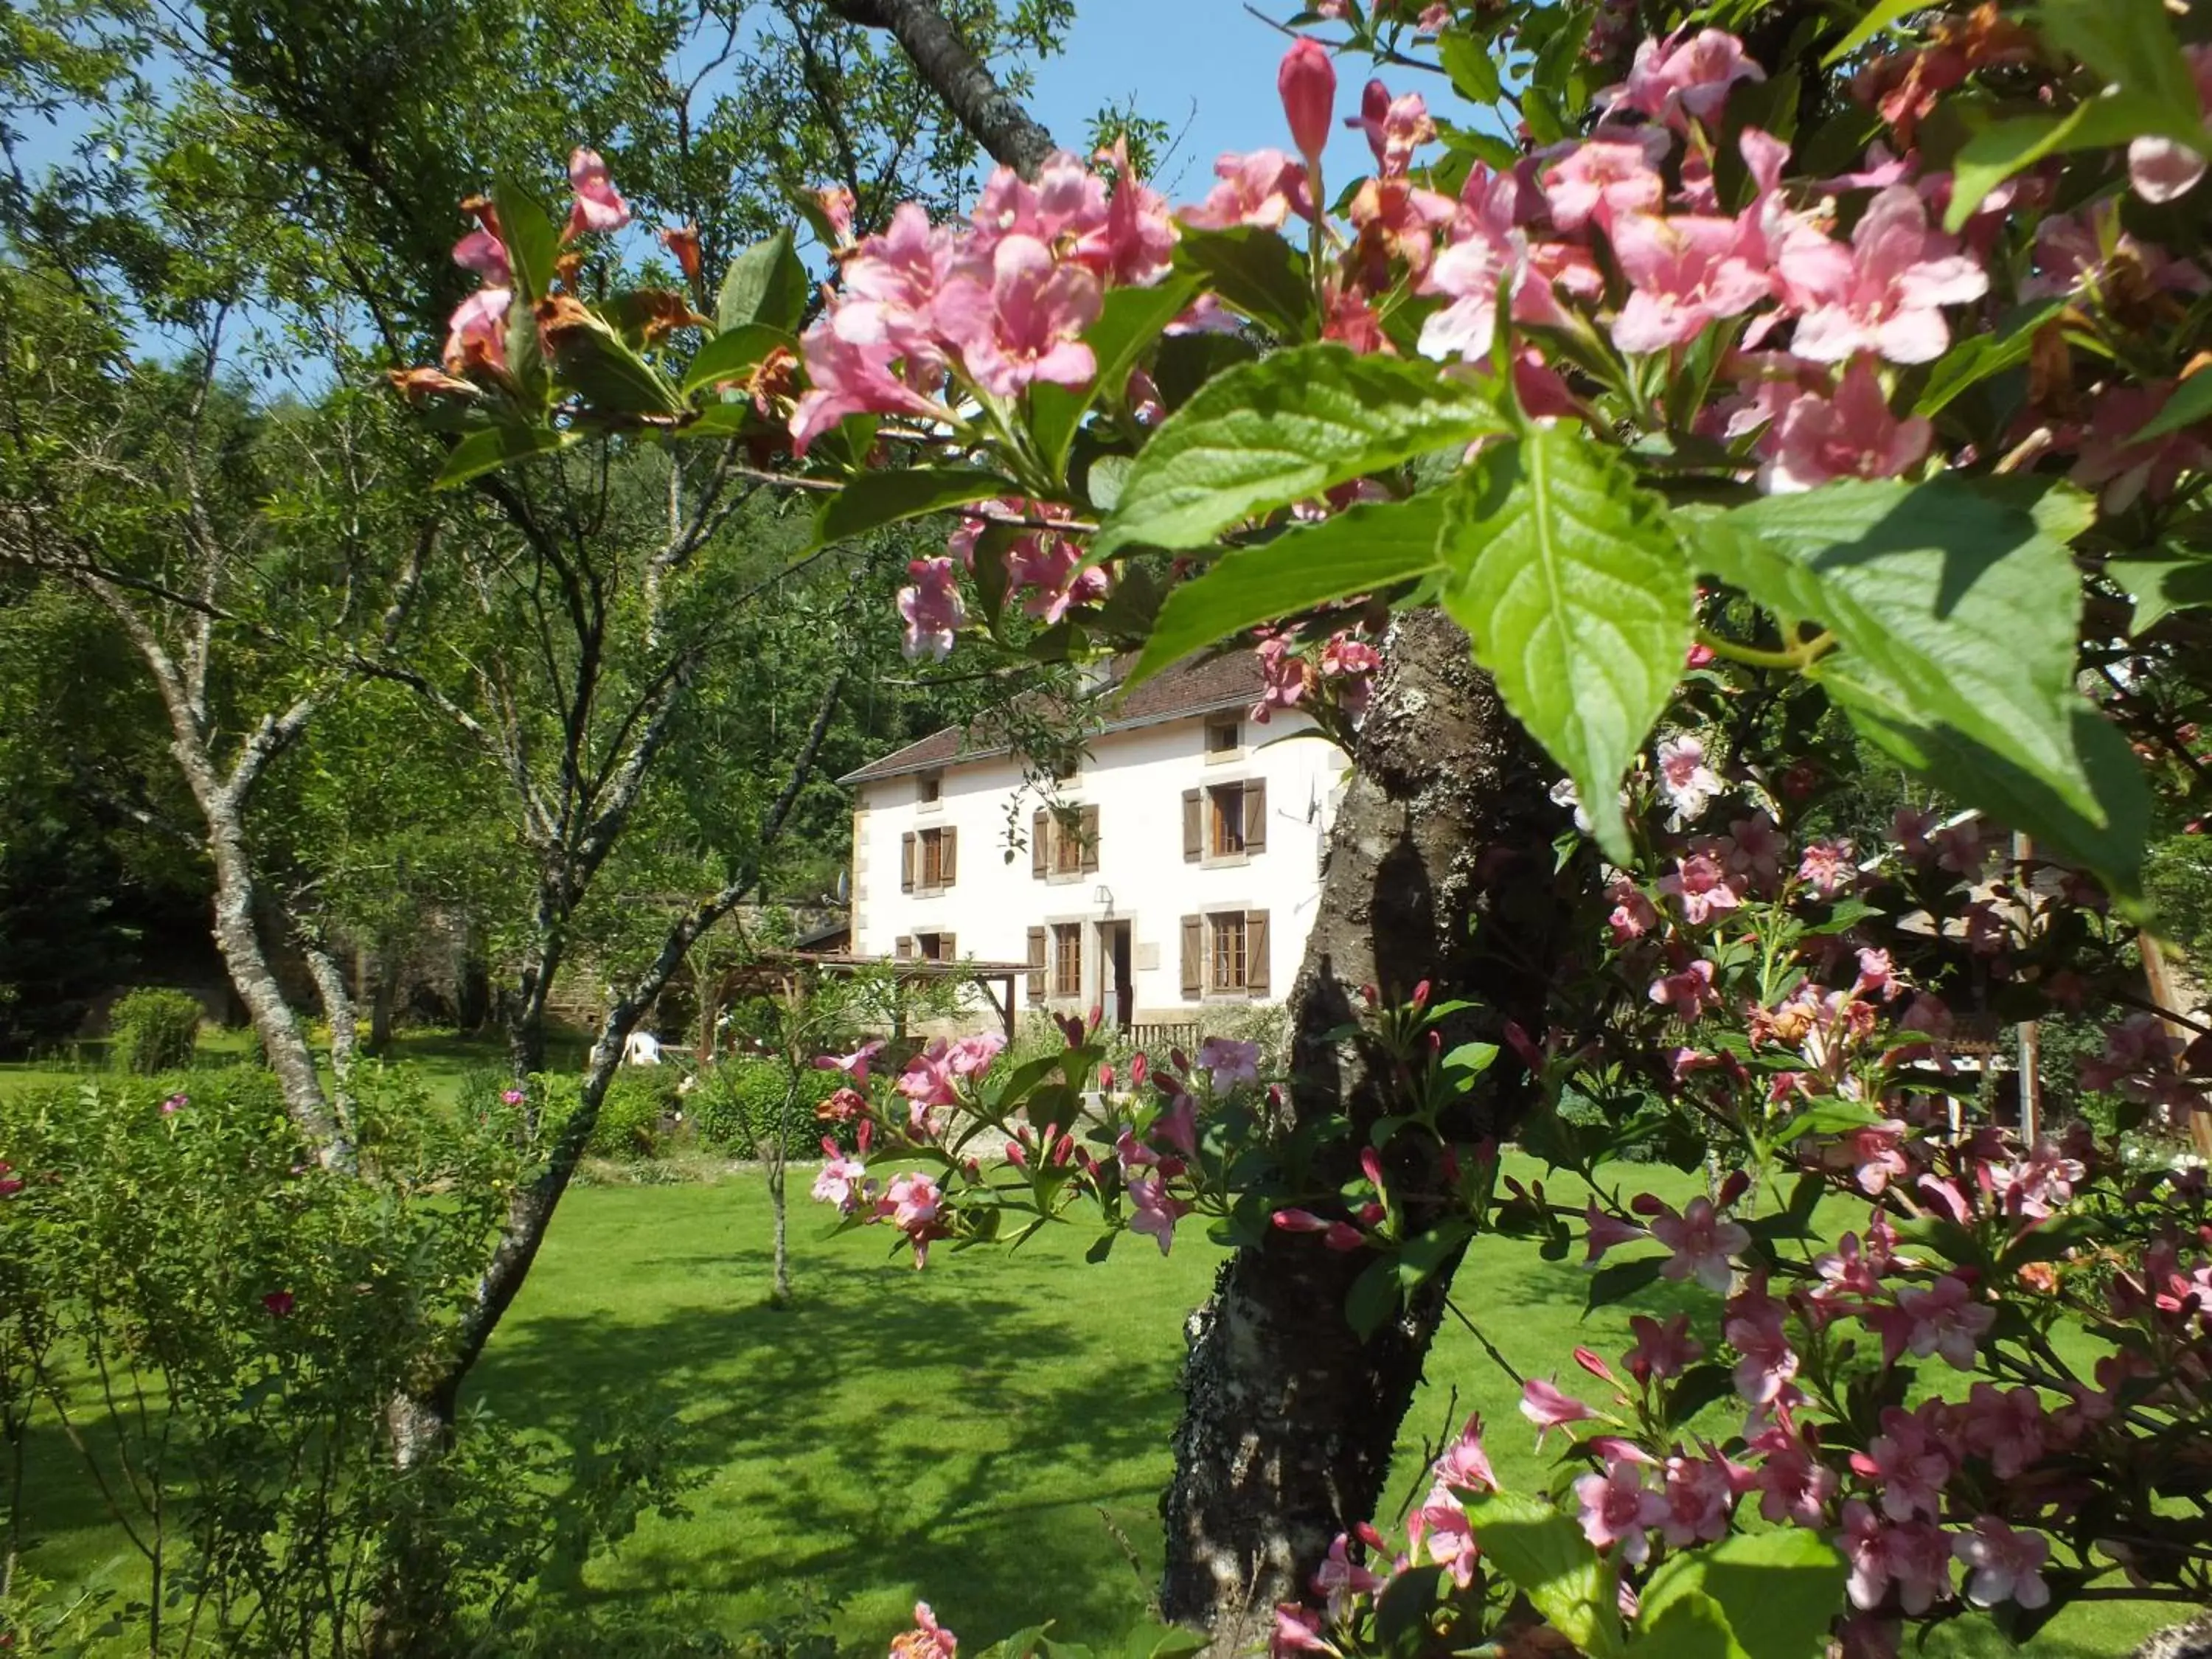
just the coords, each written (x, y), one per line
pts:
(991, 1434)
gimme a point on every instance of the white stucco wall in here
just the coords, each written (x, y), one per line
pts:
(1136, 779)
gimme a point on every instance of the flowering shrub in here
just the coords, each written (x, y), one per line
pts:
(1862, 374)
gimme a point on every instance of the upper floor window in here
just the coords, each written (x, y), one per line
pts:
(1224, 821)
(929, 788)
(929, 860)
(1063, 842)
(1223, 736)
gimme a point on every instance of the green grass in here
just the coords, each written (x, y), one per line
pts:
(983, 1435)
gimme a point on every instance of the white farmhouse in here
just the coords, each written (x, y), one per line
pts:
(1178, 866)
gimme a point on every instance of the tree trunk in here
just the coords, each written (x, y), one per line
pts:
(414, 1613)
(779, 1294)
(1440, 868)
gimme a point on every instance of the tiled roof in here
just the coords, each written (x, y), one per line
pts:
(1193, 686)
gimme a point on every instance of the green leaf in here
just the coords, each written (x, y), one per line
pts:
(1620, 1281)
(1775, 1593)
(1369, 545)
(1550, 1562)
(533, 241)
(1829, 1117)
(1979, 356)
(1373, 1298)
(876, 499)
(1473, 69)
(1691, 1625)
(589, 357)
(491, 447)
(1283, 429)
(1697, 1388)
(1578, 598)
(2192, 402)
(1257, 272)
(1884, 15)
(1405, 1604)
(2003, 148)
(1130, 320)
(1956, 617)
(766, 284)
(733, 353)
(2161, 586)
(2131, 44)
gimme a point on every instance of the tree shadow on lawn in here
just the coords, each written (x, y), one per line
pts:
(891, 1436)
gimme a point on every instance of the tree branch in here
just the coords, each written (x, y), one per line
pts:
(992, 115)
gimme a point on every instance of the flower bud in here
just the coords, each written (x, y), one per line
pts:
(1307, 81)
(1343, 1236)
(1300, 1221)
(1732, 1189)
(1421, 994)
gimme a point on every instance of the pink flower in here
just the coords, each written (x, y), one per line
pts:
(836, 205)
(1943, 1318)
(1688, 992)
(1875, 1155)
(279, 1304)
(483, 252)
(1674, 81)
(1633, 914)
(927, 1079)
(1877, 974)
(1793, 1485)
(1021, 324)
(1296, 1221)
(1156, 1211)
(2161, 169)
(1228, 1062)
(1684, 272)
(846, 378)
(597, 206)
(1688, 782)
(11, 1184)
(1908, 1463)
(2006, 1425)
(1884, 295)
(1133, 247)
(1395, 128)
(1852, 435)
(913, 1205)
(1699, 1500)
(1307, 81)
(1545, 1404)
(1602, 178)
(1347, 657)
(971, 1056)
(843, 1181)
(1297, 1630)
(1702, 888)
(2124, 469)
(931, 608)
(928, 1640)
(477, 336)
(177, 1103)
(1044, 568)
(854, 1064)
(1262, 189)
(890, 284)
(1605, 1231)
(1752, 850)
(843, 1106)
(1282, 679)
(1340, 1579)
(1827, 867)
(1754, 1328)
(1441, 1526)
(2004, 1565)
(1465, 1463)
(1619, 1509)
(1661, 1351)
(1701, 1241)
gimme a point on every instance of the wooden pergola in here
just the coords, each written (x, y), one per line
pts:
(778, 973)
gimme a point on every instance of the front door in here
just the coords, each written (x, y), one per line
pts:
(1116, 954)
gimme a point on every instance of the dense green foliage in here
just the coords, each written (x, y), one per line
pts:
(153, 1029)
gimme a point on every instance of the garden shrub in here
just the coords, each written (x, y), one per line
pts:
(631, 1122)
(737, 1102)
(154, 1029)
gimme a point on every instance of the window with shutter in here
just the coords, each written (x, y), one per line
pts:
(1066, 847)
(1193, 840)
(1256, 947)
(1225, 953)
(906, 862)
(1225, 816)
(1089, 833)
(951, 860)
(1194, 958)
(1040, 829)
(903, 949)
(1067, 959)
(1255, 816)
(1036, 965)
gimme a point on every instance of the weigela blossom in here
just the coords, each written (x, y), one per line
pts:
(927, 1639)
(1676, 80)
(1617, 1510)
(1019, 322)
(1307, 81)
(599, 206)
(1701, 1243)
(1228, 1063)
(1852, 435)
(477, 336)
(931, 607)
(1701, 887)
(1688, 781)
(1262, 188)
(1884, 294)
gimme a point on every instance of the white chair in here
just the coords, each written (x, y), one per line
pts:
(643, 1048)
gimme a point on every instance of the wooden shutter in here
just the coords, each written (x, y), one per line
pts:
(948, 850)
(904, 949)
(1036, 965)
(1040, 829)
(1089, 822)
(1255, 816)
(948, 949)
(1194, 958)
(906, 862)
(1255, 953)
(1193, 826)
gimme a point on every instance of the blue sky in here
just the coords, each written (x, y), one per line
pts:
(1210, 62)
